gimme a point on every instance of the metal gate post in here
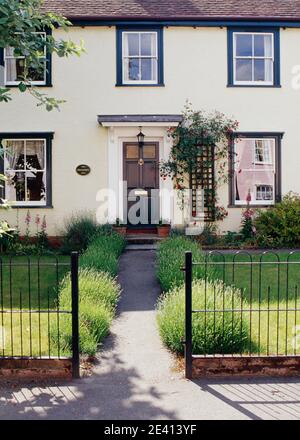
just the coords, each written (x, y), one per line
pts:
(75, 316)
(188, 314)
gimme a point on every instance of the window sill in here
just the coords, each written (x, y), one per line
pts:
(251, 206)
(32, 207)
(140, 85)
(262, 86)
(13, 86)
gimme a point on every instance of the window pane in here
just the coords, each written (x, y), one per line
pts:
(269, 66)
(149, 151)
(149, 69)
(263, 45)
(14, 155)
(15, 186)
(132, 69)
(14, 69)
(259, 151)
(35, 155)
(259, 45)
(131, 45)
(243, 70)
(263, 151)
(259, 70)
(263, 70)
(132, 152)
(243, 45)
(25, 186)
(248, 176)
(35, 186)
(37, 74)
(148, 45)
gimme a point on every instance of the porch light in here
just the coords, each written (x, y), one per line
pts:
(141, 138)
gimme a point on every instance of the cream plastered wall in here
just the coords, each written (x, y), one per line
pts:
(195, 63)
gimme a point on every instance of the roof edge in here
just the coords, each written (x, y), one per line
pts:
(140, 18)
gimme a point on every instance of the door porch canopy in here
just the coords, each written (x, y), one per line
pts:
(139, 120)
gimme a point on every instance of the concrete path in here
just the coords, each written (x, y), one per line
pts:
(135, 376)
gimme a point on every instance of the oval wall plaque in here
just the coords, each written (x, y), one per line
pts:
(83, 170)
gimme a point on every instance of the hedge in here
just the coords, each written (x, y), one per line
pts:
(98, 296)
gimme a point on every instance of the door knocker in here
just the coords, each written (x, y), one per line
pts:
(141, 162)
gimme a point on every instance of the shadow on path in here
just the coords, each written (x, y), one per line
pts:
(116, 393)
(258, 398)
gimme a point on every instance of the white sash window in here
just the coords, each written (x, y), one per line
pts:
(25, 169)
(140, 57)
(14, 66)
(253, 58)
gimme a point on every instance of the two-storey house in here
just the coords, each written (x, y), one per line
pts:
(143, 60)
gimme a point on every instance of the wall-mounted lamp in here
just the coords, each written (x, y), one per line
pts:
(141, 138)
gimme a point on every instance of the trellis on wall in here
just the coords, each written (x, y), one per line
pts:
(203, 184)
(199, 142)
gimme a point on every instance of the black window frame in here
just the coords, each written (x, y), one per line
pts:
(48, 136)
(160, 54)
(276, 69)
(48, 82)
(278, 168)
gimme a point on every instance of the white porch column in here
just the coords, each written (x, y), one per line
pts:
(113, 176)
(166, 186)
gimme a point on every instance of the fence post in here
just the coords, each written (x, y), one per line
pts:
(188, 314)
(75, 315)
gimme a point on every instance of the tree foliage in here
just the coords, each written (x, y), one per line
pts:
(21, 22)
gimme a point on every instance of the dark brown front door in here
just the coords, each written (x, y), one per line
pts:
(141, 172)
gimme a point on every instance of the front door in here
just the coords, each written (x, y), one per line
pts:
(141, 172)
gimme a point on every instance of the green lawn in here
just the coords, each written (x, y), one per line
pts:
(29, 284)
(273, 285)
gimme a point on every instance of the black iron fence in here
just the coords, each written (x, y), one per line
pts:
(34, 323)
(242, 304)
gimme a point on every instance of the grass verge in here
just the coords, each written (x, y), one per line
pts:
(42, 286)
(257, 288)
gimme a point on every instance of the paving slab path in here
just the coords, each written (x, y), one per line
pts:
(136, 379)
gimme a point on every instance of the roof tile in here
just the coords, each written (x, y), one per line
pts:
(176, 9)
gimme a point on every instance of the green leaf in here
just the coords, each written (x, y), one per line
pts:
(22, 87)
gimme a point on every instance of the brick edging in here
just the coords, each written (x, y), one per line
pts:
(246, 366)
(35, 368)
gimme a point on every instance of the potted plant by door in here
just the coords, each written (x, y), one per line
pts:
(120, 228)
(163, 228)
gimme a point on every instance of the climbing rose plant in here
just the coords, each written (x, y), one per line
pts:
(197, 131)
